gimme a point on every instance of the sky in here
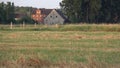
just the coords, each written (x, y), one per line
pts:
(36, 3)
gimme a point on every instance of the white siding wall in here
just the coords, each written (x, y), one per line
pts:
(53, 18)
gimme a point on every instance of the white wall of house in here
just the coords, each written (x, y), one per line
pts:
(53, 18)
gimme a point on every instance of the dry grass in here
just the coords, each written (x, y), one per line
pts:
(37, 63)
(24, 48)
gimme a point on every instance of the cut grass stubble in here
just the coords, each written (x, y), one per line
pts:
(57, 48)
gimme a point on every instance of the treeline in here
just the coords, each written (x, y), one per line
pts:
(8, 13)
(26, 12)
(92, 11)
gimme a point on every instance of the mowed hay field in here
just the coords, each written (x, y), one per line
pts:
(89, 46)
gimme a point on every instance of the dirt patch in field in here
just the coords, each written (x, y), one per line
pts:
(14, 35)
(25, 63)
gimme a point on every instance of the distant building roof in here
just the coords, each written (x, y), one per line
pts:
(46, 11)
(19, 15)
(34, 10)
(43, 11)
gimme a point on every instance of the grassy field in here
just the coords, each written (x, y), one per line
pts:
(68, 46)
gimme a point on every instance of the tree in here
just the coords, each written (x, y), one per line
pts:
(94, 7)
(6, 12)
(81, 9)
(91, 11)
(67, 6)
(10, 12)
(2, 12)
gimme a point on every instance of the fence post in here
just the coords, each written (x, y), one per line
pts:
(11, 25)
(35, 25)
(23, 24)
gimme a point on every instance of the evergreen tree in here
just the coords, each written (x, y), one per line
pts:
(6, 12)
(10, 12)
(2, 12)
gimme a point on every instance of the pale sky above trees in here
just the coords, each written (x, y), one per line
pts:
(36, 3)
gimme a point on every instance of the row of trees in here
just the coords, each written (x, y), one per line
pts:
(8, 13)
(92, 11)
(26, 11)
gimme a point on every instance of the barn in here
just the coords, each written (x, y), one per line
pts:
(55, 17)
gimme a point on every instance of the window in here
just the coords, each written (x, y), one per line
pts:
(56, 16)
(50, 16)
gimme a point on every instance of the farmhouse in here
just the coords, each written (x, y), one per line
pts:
(55, 17)
(39, 14)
